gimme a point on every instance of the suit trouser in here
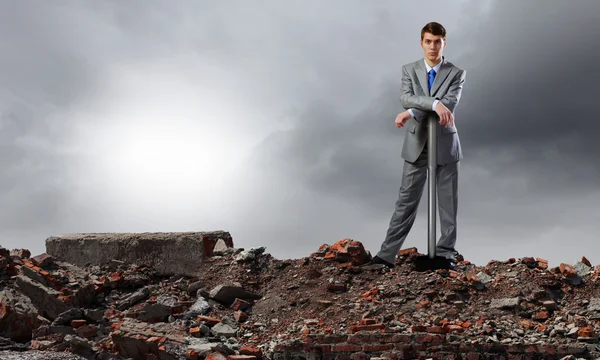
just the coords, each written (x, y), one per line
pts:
(414, 176)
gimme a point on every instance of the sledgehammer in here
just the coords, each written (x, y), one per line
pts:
(431, 261)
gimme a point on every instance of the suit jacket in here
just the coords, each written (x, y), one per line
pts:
(447, 88)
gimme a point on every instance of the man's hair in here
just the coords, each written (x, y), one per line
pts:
(433, 28)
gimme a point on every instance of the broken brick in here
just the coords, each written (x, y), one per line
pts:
(239, 304)
(542, 315)
(195, 332)
(587, 331)
(368, 321)
(42, 260)
(78, 323)
(567, 270)
(371, 327)
(407, 252)
(240, 316)
(216, 356)
(250, 350)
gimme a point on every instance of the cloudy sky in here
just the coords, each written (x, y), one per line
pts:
(275, 121)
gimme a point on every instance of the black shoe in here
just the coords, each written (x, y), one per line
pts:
(452, 265)
(379, 261)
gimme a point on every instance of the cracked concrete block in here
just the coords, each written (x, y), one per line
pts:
(169, 253)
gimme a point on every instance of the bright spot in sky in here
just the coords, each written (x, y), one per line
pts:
(163, 143)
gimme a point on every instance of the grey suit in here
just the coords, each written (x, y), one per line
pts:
(447, 88)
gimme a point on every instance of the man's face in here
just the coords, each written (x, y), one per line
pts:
(433, 47)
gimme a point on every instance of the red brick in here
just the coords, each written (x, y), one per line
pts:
(191, 355)
(526, 324)
(430, 293)
(359, 356)
(417, 329)
(42, 260)
(567, 270)
(454, 328)
(372, 327)
(215, 356)
(240, 304)
(430, 338)
(436, 330)
(423, 304)
(542, 315)
(209, 320)
(587, 331)
(78, 323)
(385, 338)
(405, 252)
(539, 294)
(333, 339)
(345, 348)
(377, 347)
(195, 332)
(586, 261)
(547, 350)
(389, 356)
(516, 348)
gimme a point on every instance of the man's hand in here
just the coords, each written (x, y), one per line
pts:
(446, 116)
(402, 118)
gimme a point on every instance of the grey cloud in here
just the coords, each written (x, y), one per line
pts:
(319, 82)
(529, 114)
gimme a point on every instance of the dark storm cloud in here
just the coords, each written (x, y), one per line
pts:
(531, 94)
(526, 124)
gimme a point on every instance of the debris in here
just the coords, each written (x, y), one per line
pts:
(244, 304)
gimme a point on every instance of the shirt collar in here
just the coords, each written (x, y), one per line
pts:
(436, 68)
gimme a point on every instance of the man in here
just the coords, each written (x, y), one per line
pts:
(431, 87)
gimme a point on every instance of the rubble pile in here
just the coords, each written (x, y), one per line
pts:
(245, 304)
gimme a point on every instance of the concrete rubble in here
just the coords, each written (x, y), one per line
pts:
(244, 304)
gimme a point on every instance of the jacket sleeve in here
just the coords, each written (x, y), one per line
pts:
(452, 97)
(417, 114)
(408, 99)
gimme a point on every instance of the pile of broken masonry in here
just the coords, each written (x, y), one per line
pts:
(244, 304)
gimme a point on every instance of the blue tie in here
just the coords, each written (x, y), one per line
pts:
(431, 77)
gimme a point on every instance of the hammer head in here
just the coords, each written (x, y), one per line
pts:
(424, 263)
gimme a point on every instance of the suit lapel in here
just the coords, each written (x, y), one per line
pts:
(422, 76)
(440, 77)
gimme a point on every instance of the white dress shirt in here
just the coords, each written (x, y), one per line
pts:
(437, 70)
